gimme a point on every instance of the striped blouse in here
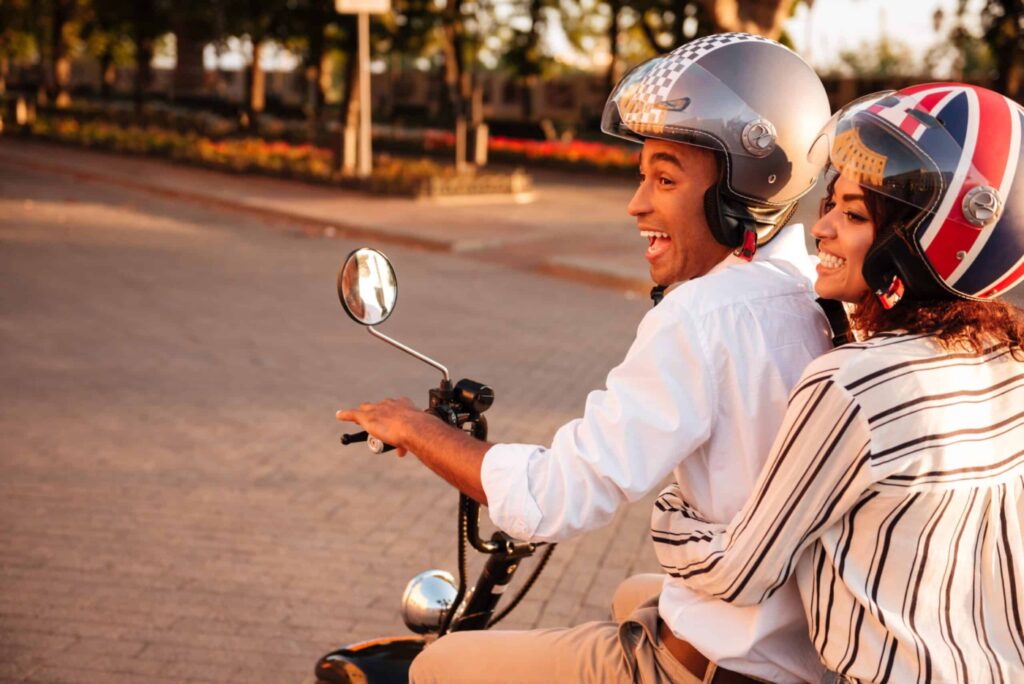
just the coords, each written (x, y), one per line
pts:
(894, 492)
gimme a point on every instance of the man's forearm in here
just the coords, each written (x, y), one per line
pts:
(451, 453)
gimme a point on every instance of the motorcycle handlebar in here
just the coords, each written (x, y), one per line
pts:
(375, 445)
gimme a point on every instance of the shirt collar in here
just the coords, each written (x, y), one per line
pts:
(788, 245)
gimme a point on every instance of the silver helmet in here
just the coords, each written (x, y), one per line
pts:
(749, 98)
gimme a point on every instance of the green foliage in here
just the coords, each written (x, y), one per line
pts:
(884, 58)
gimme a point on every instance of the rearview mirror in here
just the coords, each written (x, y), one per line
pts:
(367, 286)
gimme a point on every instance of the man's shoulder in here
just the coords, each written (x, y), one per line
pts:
(738, 285)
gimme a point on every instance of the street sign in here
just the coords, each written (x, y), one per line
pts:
(360, 6)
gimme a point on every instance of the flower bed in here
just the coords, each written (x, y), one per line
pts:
(391, 175)
(576, 154)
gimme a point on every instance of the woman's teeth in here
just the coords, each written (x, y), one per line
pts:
(830, 260)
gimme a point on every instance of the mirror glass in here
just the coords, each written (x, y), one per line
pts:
(367, 287)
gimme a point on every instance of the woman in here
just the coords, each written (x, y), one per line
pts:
(895, 488)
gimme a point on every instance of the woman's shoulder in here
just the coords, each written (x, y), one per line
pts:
(857, 362)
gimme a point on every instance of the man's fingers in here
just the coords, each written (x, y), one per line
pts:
(351, 416)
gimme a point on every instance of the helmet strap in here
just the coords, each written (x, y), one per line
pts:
(735, 223)
(894, 271)
(657, 294)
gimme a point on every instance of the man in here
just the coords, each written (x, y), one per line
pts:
(726, 122)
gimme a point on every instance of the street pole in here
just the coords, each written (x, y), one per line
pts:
(365, 120)
(362, 9)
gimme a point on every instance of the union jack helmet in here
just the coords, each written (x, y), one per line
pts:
(751, 99)
(951, 155)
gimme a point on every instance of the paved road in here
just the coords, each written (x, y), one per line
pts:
(174, 504)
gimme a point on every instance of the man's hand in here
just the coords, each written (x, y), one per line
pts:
(446, 450)
(389, 420)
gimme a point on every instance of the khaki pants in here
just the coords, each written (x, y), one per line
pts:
(626, 651)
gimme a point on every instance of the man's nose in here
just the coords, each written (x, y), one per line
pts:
(639, 204)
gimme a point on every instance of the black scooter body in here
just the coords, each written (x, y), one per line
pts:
(379, 661)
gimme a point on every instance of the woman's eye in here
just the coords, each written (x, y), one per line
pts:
(855, 217)
(826, 206)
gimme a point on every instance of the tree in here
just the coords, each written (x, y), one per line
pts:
(107, 32)
(665, 25)
(964, 55)
(195, 24)
(524, 56)
(760, 17)
(148, 21)
(883, 59)
(1001, 22)
(17, 37)
(261, 21)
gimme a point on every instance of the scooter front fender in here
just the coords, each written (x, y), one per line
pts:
(378, 661)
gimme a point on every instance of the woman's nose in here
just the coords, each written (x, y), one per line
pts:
(823, 228)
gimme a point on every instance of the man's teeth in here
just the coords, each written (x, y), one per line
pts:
(830, 260)
(652, 234)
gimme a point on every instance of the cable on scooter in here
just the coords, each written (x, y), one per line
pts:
(464, 505)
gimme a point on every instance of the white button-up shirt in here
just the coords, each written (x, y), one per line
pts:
(700, 394)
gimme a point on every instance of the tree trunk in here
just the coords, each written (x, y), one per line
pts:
(345, 151)
(61, 63)
(532, 51)
(256, 86)
(189, 72)
(455, 77)
(614, 72)
(760, 17)
(143, 72)
(108, 73)
(315, 62)
(314, 88)
(1005, 39)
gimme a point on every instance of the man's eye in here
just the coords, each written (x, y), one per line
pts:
(665, 181)
(640, 177)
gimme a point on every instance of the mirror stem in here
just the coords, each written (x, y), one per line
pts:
(412, 352)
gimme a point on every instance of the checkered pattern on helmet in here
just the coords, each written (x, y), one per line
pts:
(639, 108)
(690, 52)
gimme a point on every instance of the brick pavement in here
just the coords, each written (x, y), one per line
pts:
(174, 505)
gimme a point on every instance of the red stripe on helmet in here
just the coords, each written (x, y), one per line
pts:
(989, 162)
(929, 101)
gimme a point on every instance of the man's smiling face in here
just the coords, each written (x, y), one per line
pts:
(669, 209)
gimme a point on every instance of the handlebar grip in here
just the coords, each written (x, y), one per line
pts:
(354, 437)
(375, 445)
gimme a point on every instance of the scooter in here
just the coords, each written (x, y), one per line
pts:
(433, 603)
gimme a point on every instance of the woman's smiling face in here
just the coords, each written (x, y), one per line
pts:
(844, 234)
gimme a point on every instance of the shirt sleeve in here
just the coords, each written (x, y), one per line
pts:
(819, 468)
(657, 408)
